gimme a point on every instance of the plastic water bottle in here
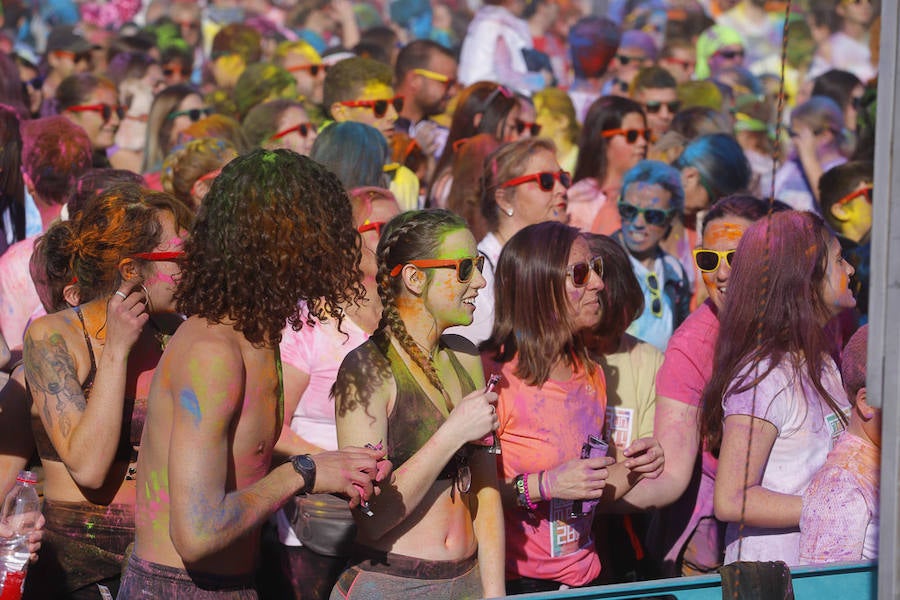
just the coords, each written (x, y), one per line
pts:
(21, 510)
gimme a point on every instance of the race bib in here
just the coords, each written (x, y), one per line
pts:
(567, 534)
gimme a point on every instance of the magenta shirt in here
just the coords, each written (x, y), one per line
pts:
(688, 364)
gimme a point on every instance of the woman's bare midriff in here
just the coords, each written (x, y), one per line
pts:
(440, 528)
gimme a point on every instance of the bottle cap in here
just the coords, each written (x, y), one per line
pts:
(27, 477)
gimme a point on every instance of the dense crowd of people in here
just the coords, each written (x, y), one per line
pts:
(328, 299)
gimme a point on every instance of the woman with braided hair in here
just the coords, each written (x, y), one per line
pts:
(437, 530)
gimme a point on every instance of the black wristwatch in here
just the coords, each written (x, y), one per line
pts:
(304, 465)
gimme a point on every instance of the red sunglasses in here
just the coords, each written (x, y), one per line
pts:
(379, 107)
(865, 192)
(160, 256)
(313, 69)
(105, 110)
(545, 180)
(302, 128)
(372, 226)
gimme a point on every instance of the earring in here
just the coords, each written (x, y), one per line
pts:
(509, 212)
(149, 308)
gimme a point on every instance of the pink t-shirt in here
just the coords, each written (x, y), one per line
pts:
(541, 428)
(688, 364)
(319, 351)
(18, 296)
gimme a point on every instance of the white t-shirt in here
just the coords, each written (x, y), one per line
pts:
(807, 431)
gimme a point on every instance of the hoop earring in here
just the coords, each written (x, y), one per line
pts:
(147, 298)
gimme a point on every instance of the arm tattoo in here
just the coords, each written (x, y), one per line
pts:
(51, 371)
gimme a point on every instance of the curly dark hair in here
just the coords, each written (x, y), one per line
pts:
(275, 229)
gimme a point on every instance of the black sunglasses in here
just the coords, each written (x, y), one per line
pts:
(194, 114)
(654, 106)
(624, 60)
(580, 272)
(521, 126)
(172, 71)
(730, 54)
(653, 216)
(35, 83)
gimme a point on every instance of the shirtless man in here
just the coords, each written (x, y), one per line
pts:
(276, 230)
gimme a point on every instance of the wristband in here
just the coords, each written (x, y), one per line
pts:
(541, 490)
(519, 483)
(531, 506)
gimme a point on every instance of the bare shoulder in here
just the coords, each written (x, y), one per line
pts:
(203, 357)
(54, 343)
(365, 378)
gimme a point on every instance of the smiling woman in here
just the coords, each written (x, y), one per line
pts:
(437, 528)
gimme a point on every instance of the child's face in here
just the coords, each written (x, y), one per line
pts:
(853, 213)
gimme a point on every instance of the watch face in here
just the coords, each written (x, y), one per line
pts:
(305, 462)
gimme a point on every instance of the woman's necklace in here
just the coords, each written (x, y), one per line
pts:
(161, 337)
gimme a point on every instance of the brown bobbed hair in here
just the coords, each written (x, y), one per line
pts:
(507, 162)
(55, 152)
(789, 250)
(621, 300)
(531, 307)
(274, 231)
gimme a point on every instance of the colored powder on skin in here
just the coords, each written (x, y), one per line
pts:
(161, 278)
(188, 401)
(725, 231)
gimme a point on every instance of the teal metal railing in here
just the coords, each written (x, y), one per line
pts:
(853, 581)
